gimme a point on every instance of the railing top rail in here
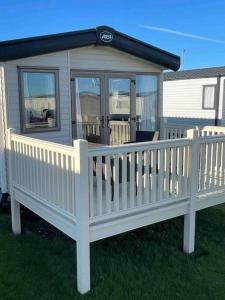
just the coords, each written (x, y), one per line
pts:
(201, 128)
(213, 128)
(211, 138)
(172, 126)
(42, 143)
(113, 122)
(135, 147)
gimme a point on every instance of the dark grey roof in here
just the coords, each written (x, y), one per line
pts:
(195, 73)
(103, 35)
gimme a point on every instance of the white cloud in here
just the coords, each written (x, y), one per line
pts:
(189, 35)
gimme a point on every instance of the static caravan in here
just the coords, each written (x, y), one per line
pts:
(78, 115)
(194, 97)
(96, 84)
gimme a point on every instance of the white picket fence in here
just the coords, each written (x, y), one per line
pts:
(119, 132)
(129, 178)
(179, 131)
(94, 193)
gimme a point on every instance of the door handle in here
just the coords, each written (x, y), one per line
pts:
(108, 120)
(102, 120)
(134, 119)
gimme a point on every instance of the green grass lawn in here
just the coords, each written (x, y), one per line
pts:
(143, 264)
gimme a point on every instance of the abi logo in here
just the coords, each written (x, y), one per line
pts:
(106, 36)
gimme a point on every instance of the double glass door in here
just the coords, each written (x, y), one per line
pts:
(103, 107)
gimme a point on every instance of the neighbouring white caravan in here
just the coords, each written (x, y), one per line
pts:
(194, 97)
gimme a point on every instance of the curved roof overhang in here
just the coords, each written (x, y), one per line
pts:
(103, 35)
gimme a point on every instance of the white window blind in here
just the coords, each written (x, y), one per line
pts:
(208, 97)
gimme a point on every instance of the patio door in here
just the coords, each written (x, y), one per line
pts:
(103, 107)
(120, 108)
(88, 108)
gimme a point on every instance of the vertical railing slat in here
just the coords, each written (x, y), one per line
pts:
(132, 177)
(154, 181)
(99, 184)
(91, 187)
(116, 183)
(139, 178)
(146, 176)
(124, 181)
(109, 182)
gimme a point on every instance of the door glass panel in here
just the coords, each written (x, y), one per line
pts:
(119, 110)
(88, 108)
(146, 102)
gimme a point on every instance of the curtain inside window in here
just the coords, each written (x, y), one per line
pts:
(79, 123)
(146, 102)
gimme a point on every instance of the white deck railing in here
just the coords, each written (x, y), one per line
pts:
(90, 194)
(211, 163)
(44, 170)
(133, 177)
(179, 131)
(119, 132)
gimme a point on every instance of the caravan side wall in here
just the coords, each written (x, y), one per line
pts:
(182, 102)
(3, 177)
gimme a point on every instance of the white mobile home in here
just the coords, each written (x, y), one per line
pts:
(91, 84)
(78, 115)
(194, 97)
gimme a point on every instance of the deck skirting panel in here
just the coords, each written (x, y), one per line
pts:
(60, 221)
(210, 199)
(106, 229)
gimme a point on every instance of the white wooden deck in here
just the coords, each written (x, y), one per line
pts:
(94, 193)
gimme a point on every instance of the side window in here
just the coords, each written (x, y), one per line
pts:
(208, 97)
(146, 102)
(39, 98)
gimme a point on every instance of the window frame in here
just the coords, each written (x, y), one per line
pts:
(203, 97)
(21, 71)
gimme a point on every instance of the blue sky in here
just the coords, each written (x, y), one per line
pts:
(205, 19)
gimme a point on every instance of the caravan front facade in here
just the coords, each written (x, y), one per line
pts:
(96, 84)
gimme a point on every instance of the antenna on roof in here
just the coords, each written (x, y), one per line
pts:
(183, 52)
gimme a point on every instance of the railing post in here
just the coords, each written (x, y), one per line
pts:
(82, 214)
(189, 219)
(163, 122)
(15, 205)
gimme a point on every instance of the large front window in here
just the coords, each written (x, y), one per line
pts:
(39, 99)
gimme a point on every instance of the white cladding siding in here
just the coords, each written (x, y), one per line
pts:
(86, 58)
(183, 98)
(106, 58)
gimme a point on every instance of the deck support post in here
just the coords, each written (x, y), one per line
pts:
(15, 205)
(82, 213)
(190, 218)
(16, 218)
(189, 232)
